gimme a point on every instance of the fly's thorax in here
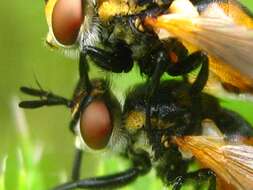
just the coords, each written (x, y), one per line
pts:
(170, 115)
(155, 140)
(107, 9)
(169, 107)
(135, 120)
(120, 29)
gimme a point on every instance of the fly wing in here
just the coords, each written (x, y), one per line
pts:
(232, 162)
(224, 40)
(229, 45)
(222, 185)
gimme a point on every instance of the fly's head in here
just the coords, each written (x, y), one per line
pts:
(71, 24)
(99, 114)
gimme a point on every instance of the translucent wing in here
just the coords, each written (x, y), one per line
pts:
(231, 161)
(229, 45)
(221, 38)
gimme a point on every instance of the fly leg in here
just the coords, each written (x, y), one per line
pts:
(103, 182)
(187, 65)
(141, 165)
(204, 175)
(202, 76)
(184, 65)
(200, 175)
(161, 62)
(50, 99)
(46, 99)
(196, 89)
(116, 58)
(77, 165)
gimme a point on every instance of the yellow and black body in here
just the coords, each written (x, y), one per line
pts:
(115, 35)
(162, 124)
(186, 127)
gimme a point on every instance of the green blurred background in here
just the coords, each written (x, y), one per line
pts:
(24, 56)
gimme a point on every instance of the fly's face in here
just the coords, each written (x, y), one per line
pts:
(74, 24)
(99, 115)
(69, 23)
(64, 19)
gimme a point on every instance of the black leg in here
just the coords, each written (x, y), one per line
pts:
(204, 175)
(104, 182)
(118, 59)
(187, 63)
(196, 88)
(49, 99)
(82, 90)
(212, 183)
(77, 165)
(141, 166)
(161, 63)
(84, 81)
(46, 99)
(178, 182)
(202, 76)
(182, 64)
(73, 122)
(198, 176)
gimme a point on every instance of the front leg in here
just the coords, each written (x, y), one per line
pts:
(118, 57)
(184, 65)
(198, 176)
(103, 182)
(141, 166)
(187, 65)
(46, 98)
(161, 62)
(77, 165)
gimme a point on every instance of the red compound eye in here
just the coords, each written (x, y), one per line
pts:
(67, 18)
(96, 125)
